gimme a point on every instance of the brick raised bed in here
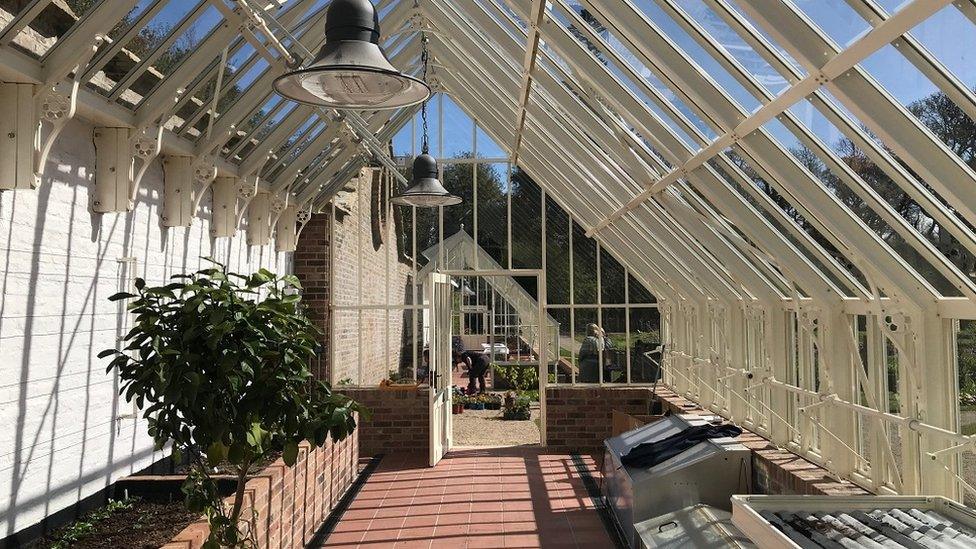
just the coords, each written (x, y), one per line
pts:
(399, 422)
(286, 505)
(579, 418)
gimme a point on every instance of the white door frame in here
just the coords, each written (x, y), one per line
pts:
(438, 294)
(540, 276)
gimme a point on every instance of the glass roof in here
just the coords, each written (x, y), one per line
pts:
(827, 146)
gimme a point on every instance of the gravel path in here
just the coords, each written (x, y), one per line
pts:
(487, 428)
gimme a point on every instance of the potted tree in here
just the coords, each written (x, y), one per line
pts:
(218, 363)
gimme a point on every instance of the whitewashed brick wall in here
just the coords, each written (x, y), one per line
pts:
(367, 270)
(60, 439)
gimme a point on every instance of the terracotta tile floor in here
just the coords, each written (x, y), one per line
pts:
(485, 497)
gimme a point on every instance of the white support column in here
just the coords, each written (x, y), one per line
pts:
(777, 347)
(286, 230)
(223, 220)
(837, 370)
(17, 129)
(738, 411)
(113, 171)
(259, 219)
(177, 191)
(937, 401)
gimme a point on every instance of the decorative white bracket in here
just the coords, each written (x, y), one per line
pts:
(181, 174)
(146, 146)
(56, 105)
(278, 204)
(303, 216)
(24, 150)
(247, 189)
(204, 173)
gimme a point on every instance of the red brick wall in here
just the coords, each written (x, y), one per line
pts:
(580, 418)
(311, 265)
(400, 420)
(286, 505)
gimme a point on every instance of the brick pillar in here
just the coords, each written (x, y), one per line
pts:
(313, 268)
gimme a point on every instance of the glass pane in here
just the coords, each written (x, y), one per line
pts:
(562, 370)
(557, 253)
(493, 211)
(458, 179)
(588, 341)
(584, 267)
(375, 348)
(615, 345)
(487, 147)
(637, 292)
(404, 144)
(612, 279)
(458, 130)
(345, 358)
(54, 21)
(526, 222)
(645, 337)
(835, 18)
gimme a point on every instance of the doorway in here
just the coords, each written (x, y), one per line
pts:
(499, 326)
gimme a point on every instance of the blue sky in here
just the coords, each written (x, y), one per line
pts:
(948, 35)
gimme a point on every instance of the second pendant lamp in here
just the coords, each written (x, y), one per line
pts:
(425, 190)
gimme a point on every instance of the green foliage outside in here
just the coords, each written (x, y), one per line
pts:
(218, 362)
(966, 351)
(520, 409)
(522, 377)
(492, 188)
(951, 125)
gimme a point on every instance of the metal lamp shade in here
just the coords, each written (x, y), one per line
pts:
(351, 71)
(425, 190)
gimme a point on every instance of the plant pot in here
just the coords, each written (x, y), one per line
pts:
(457, 408)
(493, 406)
(477, 406)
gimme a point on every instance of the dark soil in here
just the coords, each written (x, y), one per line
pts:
(143, 526)
(225, 468)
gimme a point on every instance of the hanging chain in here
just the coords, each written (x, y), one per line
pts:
(424, 60)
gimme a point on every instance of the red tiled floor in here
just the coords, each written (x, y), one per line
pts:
(486, 497)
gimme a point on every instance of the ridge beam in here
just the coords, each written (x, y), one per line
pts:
(528, 67)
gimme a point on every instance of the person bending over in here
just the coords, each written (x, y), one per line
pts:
(478, 364)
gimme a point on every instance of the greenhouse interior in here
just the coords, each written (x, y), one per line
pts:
(488, 273)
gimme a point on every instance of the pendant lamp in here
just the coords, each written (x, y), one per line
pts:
(425, 190)
(351, 71)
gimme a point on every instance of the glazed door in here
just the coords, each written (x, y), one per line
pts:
(440, 353)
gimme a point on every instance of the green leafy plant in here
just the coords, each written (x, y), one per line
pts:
(85, 526)
(218, 362)
(521, 377)
(519, 408)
